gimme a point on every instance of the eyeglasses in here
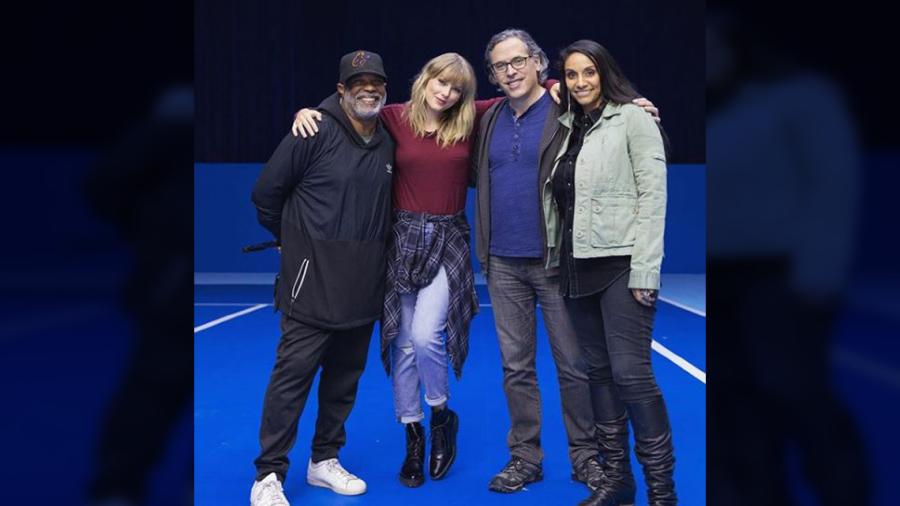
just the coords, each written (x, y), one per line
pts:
(517, 63)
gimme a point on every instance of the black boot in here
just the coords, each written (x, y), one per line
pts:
(617, 486)
(654, 450)
(412, 474)
(444, 424)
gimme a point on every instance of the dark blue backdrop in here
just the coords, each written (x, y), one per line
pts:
(258, 62)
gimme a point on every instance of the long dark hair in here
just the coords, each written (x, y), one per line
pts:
(614, 86)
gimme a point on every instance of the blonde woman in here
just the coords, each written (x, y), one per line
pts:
(430, 295)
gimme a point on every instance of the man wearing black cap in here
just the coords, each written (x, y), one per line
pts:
(327, 201)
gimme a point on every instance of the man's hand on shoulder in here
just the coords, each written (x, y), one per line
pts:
(648, 106)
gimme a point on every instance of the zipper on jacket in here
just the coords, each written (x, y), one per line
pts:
(275, 293)
(298, 283)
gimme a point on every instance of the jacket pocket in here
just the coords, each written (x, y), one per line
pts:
(345, 286)
(613, 220)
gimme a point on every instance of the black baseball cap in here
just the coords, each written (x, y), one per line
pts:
(361, 62)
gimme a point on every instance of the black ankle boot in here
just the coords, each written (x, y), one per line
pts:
(654, 450)
(617, 486)
(444, 425)
(412, 474)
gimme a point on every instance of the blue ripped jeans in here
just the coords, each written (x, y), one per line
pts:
(418, 353)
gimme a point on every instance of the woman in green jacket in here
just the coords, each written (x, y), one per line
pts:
(605, 203)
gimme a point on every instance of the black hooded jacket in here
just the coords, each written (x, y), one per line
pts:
(327, 200)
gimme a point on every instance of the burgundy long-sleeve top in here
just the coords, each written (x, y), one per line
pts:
(429, 178)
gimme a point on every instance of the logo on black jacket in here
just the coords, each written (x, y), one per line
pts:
(389, 168)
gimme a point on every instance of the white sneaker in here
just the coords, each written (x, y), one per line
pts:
(330, 474)
(268, 492)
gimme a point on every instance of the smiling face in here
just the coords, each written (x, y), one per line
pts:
(516, 83)
(363, 96)
(441, 93)
(583, 81)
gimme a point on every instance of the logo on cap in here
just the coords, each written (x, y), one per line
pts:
(360, 59)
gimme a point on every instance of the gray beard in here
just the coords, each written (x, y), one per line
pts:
(363, 113)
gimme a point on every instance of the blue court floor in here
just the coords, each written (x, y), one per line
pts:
(235, 337)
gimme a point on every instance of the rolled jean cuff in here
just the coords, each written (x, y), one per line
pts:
(436, 402)
(412, 418)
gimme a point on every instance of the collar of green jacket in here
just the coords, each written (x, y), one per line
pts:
(611, 110)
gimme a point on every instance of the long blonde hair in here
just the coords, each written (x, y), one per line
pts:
(456, 123)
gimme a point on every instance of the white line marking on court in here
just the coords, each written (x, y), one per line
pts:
(680, 362)
(687, 308)
(228, 317)
(659, 348)
(226, 304)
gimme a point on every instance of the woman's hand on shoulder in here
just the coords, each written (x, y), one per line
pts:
(554, 93)
(306, 123)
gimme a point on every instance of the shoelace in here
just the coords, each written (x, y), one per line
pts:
(271, 494)
(415, 449)
(335, 466)
(438, 439)
(514, 465)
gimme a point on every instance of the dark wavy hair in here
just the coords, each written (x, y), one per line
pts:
(614, 86)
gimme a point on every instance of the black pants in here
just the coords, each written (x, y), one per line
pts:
(614, 333)
(303, 349)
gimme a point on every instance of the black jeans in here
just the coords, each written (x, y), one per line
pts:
(614, 333)
(303, 349)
